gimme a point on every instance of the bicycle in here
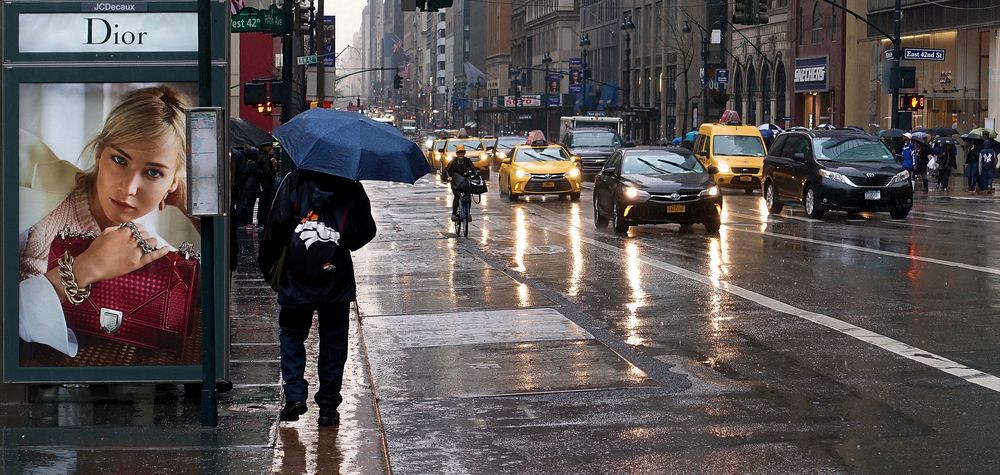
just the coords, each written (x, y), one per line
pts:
(473, 183)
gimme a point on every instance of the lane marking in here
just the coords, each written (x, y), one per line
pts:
(988, 270)
(891, 345)
(955, 215)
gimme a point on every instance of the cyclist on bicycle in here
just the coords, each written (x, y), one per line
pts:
(458, 167)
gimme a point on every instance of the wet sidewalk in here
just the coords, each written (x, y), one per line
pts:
(155, 428)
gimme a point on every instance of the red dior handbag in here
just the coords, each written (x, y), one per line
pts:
(149, 308)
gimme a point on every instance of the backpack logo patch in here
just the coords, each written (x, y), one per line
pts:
(311, 230)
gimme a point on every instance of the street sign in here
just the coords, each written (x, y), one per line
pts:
(597, 114)
(923, 54)
(304, 60)
(722, 76)
(252, 20)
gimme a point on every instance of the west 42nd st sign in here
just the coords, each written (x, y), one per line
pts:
(250, 20)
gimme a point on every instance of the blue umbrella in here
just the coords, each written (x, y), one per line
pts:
(676, 141)
(690, 136)
(350, 145)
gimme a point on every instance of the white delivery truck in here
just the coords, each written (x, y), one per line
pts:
(586, 121)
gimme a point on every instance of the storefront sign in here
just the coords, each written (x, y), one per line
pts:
(523, 101)
(923, 54)
(811, 75)
(107, 32)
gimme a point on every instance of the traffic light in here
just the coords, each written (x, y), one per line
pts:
(912, 102)
(254, 93)
(742, 11)
(397, 82)
(304, 20)
(760, 13)
(433, 5)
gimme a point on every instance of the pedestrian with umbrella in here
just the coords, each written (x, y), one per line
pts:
(920, 157)
(321, 214)
(975, 142)
(946, 150)
(987, 164)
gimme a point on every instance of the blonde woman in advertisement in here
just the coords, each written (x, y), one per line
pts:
(138, 168)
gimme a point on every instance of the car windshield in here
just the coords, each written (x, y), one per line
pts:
(660, 163)
(547, 154)
(509, 142)
(851, 149)
(595, 139)
(738, 145)
(438, 144)
(469, 144)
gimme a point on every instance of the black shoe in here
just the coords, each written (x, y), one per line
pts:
(328, 417)
(292, 411)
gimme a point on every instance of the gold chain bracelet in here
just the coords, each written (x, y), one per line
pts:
(74, 293)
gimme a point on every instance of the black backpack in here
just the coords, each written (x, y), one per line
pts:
(314, 243)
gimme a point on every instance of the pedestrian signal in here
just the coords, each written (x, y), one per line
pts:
(912, 102)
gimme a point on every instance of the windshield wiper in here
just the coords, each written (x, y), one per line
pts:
(654, 167)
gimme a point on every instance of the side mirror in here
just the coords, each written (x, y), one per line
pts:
(799, 157)
(608, 172)
(491, 148)
(576, 159)
(441, 150)
(713, 170)
(506, 160)
(629, 144)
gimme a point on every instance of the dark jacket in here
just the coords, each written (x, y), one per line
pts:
(303, 189)
(460, 165)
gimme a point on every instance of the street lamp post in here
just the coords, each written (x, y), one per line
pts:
(704, 67)
(627, 25)
(546, 60)
(584, 43)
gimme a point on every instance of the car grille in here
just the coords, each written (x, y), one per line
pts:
(880, 180)
(535, 184)
(547, 176)
(747, 171)
(679, 197)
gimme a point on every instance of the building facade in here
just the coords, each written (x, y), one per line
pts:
(759, 72)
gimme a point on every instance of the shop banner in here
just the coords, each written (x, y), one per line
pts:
(575, 76)
(329, 41)
(108, 254)
(107, 32)
(811, 74)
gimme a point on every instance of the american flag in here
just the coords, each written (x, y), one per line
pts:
(236, 5)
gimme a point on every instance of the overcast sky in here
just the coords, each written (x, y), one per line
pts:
(348, 13)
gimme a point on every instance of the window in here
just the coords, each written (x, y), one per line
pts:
(775, 150)
(738, 91)
(833, 23)
(751, 117)
(738, 145)
(765, 93)
(779, 91)
(660, 163)
(817, 25)
(796, 144)
(802, 27)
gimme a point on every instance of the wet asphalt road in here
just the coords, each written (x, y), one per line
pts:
(782, 344)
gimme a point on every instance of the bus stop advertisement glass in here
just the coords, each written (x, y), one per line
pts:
(102, 257)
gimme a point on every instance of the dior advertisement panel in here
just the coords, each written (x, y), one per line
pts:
(108, 254)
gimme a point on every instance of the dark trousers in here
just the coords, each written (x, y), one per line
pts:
(294, 324)
(986, 180)
(264, 207)
(943, 174)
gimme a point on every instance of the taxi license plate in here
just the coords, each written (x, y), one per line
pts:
(746, 178)
(873, 195)
(548, 184)
(676, 208)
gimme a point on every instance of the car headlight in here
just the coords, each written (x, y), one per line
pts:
(711, 191)
(520, 173)
(900, 177)
(635, 194)
(834, 176)
(574, 173)
(724, 168)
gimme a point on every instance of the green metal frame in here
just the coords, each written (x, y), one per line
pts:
(99, 68)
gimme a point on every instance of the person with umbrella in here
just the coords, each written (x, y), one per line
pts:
(987, 164)
(321, 213)
(947, 159)
(972, 160)
(920, 157)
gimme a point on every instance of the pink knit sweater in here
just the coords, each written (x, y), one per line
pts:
(74, 212)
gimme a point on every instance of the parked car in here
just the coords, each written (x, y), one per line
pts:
(655, 185)
(593, 145)
(736, 150)
(540, 168)
(835, 170)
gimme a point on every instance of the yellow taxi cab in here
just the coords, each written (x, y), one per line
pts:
(737, 150)
(474, 149)
(539, 168)
(433, 155)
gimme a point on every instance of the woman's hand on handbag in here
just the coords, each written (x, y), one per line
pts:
(114, 253)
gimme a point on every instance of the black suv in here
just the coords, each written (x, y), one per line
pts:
(835, 170)
(593, 145)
